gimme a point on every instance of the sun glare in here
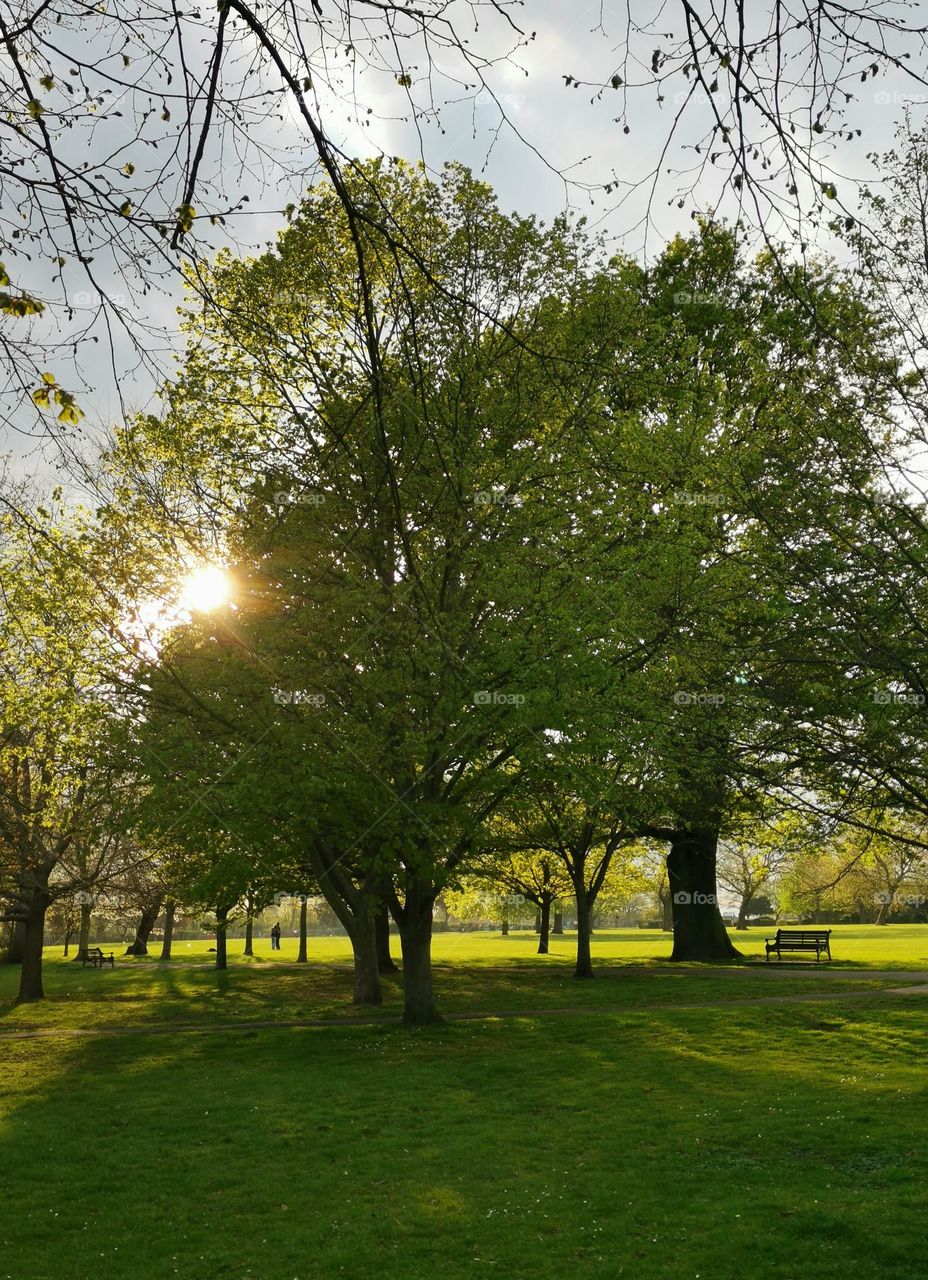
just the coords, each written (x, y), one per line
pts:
(204, 588)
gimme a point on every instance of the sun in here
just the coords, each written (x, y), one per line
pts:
(205, 588)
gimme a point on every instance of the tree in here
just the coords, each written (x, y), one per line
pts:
(651, 864)
(115, 145)
(540, 880)
(485, 898)
(736, 438)
(375, 510)
(583, 836)
(58, 785)
(750, 860)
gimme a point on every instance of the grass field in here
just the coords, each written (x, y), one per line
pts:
(892, 947)
(622, 1136)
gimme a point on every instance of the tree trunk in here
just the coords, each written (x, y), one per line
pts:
(222, 916)
(13, 948)
(544, 925)
(886, 906)
(168, 936)
(150, 914)
(367, 988)
(30, 977)
(353, 906)
(83, 937)
(584, 967)
(385, 961)
(698, 929)
(301, 956)
(558, 926)
(536, 927)
(505, 929)
(415, 926)
(742, 922)
(249, 935)
(667, 912)
(68, 935)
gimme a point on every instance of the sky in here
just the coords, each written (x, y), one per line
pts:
(557, 141)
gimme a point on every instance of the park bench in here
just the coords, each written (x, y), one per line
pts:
(816, 940)
(94, 956)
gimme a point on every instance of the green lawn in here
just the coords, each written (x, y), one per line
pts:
(473, 972)
(892, 947)
(649, 1142)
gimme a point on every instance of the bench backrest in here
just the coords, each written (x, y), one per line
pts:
(802, 935)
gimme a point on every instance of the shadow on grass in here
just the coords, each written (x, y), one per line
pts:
(748, 1143)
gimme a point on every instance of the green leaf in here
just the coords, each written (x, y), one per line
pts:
(185, 216)
(70, 415)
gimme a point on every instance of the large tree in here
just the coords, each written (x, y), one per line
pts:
(374, 458)
(60, 789)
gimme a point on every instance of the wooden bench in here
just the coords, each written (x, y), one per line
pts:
(94, 956)
(817, 940)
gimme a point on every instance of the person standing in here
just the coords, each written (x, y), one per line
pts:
(275, 937)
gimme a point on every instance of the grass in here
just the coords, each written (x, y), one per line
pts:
(649, 1142)
(858, 946)
(473, 972)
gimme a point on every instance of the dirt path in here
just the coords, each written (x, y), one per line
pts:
(392, 1020)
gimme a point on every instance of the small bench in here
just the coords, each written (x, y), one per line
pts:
(817, 940)
(94, 956)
